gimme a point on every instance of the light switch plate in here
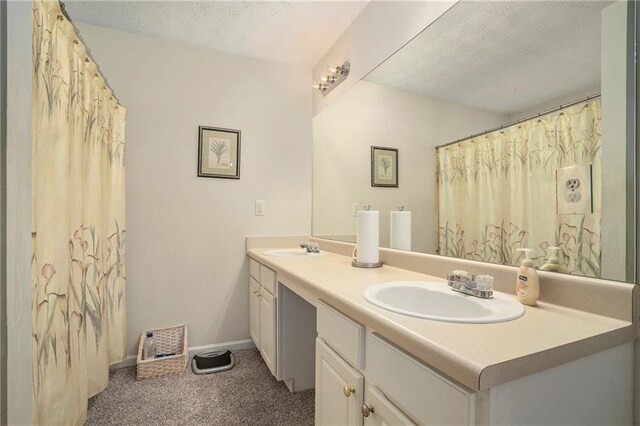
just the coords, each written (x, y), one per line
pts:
(260, 208)
(574, 190)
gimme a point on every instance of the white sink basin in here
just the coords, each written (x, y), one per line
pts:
(294, 252)
(436, 301)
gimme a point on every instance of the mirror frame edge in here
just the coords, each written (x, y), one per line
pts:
(633, 145)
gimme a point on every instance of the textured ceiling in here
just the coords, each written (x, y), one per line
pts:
(502, 56)
(286, 31)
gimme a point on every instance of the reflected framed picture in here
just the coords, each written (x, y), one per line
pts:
(384, 166)
(218, 152)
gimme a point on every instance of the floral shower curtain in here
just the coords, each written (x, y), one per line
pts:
(497, 192)
(78, 224)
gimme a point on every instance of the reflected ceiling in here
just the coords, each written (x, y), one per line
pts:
(482, 54)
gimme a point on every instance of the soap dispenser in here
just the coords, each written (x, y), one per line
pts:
(553, 261)
(527, 284)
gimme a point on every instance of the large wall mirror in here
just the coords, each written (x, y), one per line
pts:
(514, 125)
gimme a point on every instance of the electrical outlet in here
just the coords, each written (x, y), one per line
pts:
(574, 190)
(260, 208)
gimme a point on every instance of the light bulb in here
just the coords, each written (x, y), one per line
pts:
(320, 86)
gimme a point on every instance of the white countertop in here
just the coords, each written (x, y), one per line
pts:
(478, 356)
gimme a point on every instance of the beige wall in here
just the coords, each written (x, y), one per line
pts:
(18, 219)
(373, 114)
(186, 235)
(380, 30)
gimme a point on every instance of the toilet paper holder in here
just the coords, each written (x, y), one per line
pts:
(357, 264)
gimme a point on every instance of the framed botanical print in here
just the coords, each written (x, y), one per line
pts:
(384, 167)
(218, 152)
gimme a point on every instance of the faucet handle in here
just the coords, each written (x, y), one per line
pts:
(311, 247)
(460, 273)
(484, 282)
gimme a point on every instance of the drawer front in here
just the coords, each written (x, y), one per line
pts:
(420, 392)
(268, 279)
(254, 269)
(343, 334)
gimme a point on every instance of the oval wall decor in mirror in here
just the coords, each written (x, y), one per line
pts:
(514, 124)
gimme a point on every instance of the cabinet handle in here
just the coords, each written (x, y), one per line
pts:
(348, 390)
(367, 409)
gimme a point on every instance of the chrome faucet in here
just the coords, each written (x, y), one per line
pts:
(311, 247)
(459, 281)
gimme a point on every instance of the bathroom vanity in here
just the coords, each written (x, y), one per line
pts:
(494, 159)
(554, 365)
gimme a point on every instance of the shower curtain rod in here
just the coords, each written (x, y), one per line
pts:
(521, 120)
(63, 9)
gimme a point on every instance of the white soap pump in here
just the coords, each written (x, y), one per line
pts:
(527, 284)
(553, 261)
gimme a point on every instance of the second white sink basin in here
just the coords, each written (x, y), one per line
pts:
(436, 301)
(293, 252)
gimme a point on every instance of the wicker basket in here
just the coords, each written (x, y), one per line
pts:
(168, 340)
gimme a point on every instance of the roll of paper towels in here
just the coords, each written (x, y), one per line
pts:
(368, 237)
(401, 230)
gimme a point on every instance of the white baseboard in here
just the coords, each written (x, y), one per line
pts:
(235, 345)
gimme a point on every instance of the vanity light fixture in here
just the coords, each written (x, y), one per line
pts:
(335, 75)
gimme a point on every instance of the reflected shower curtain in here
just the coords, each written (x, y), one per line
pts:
(497, 192)
(78, 224)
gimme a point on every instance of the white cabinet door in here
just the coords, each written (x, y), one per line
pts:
(268, 329)
(379, 411)
(339, 389)
(254, 311)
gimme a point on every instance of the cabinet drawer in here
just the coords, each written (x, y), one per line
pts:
(416, 389)
(343, 334)
(254, 269)
(268, 279)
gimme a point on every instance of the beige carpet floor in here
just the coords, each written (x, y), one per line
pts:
(246, 395)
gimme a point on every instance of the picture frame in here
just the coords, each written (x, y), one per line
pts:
(384, 167)
(218, 152)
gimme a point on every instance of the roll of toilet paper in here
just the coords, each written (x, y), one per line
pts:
(401, 230)
(368, 236)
